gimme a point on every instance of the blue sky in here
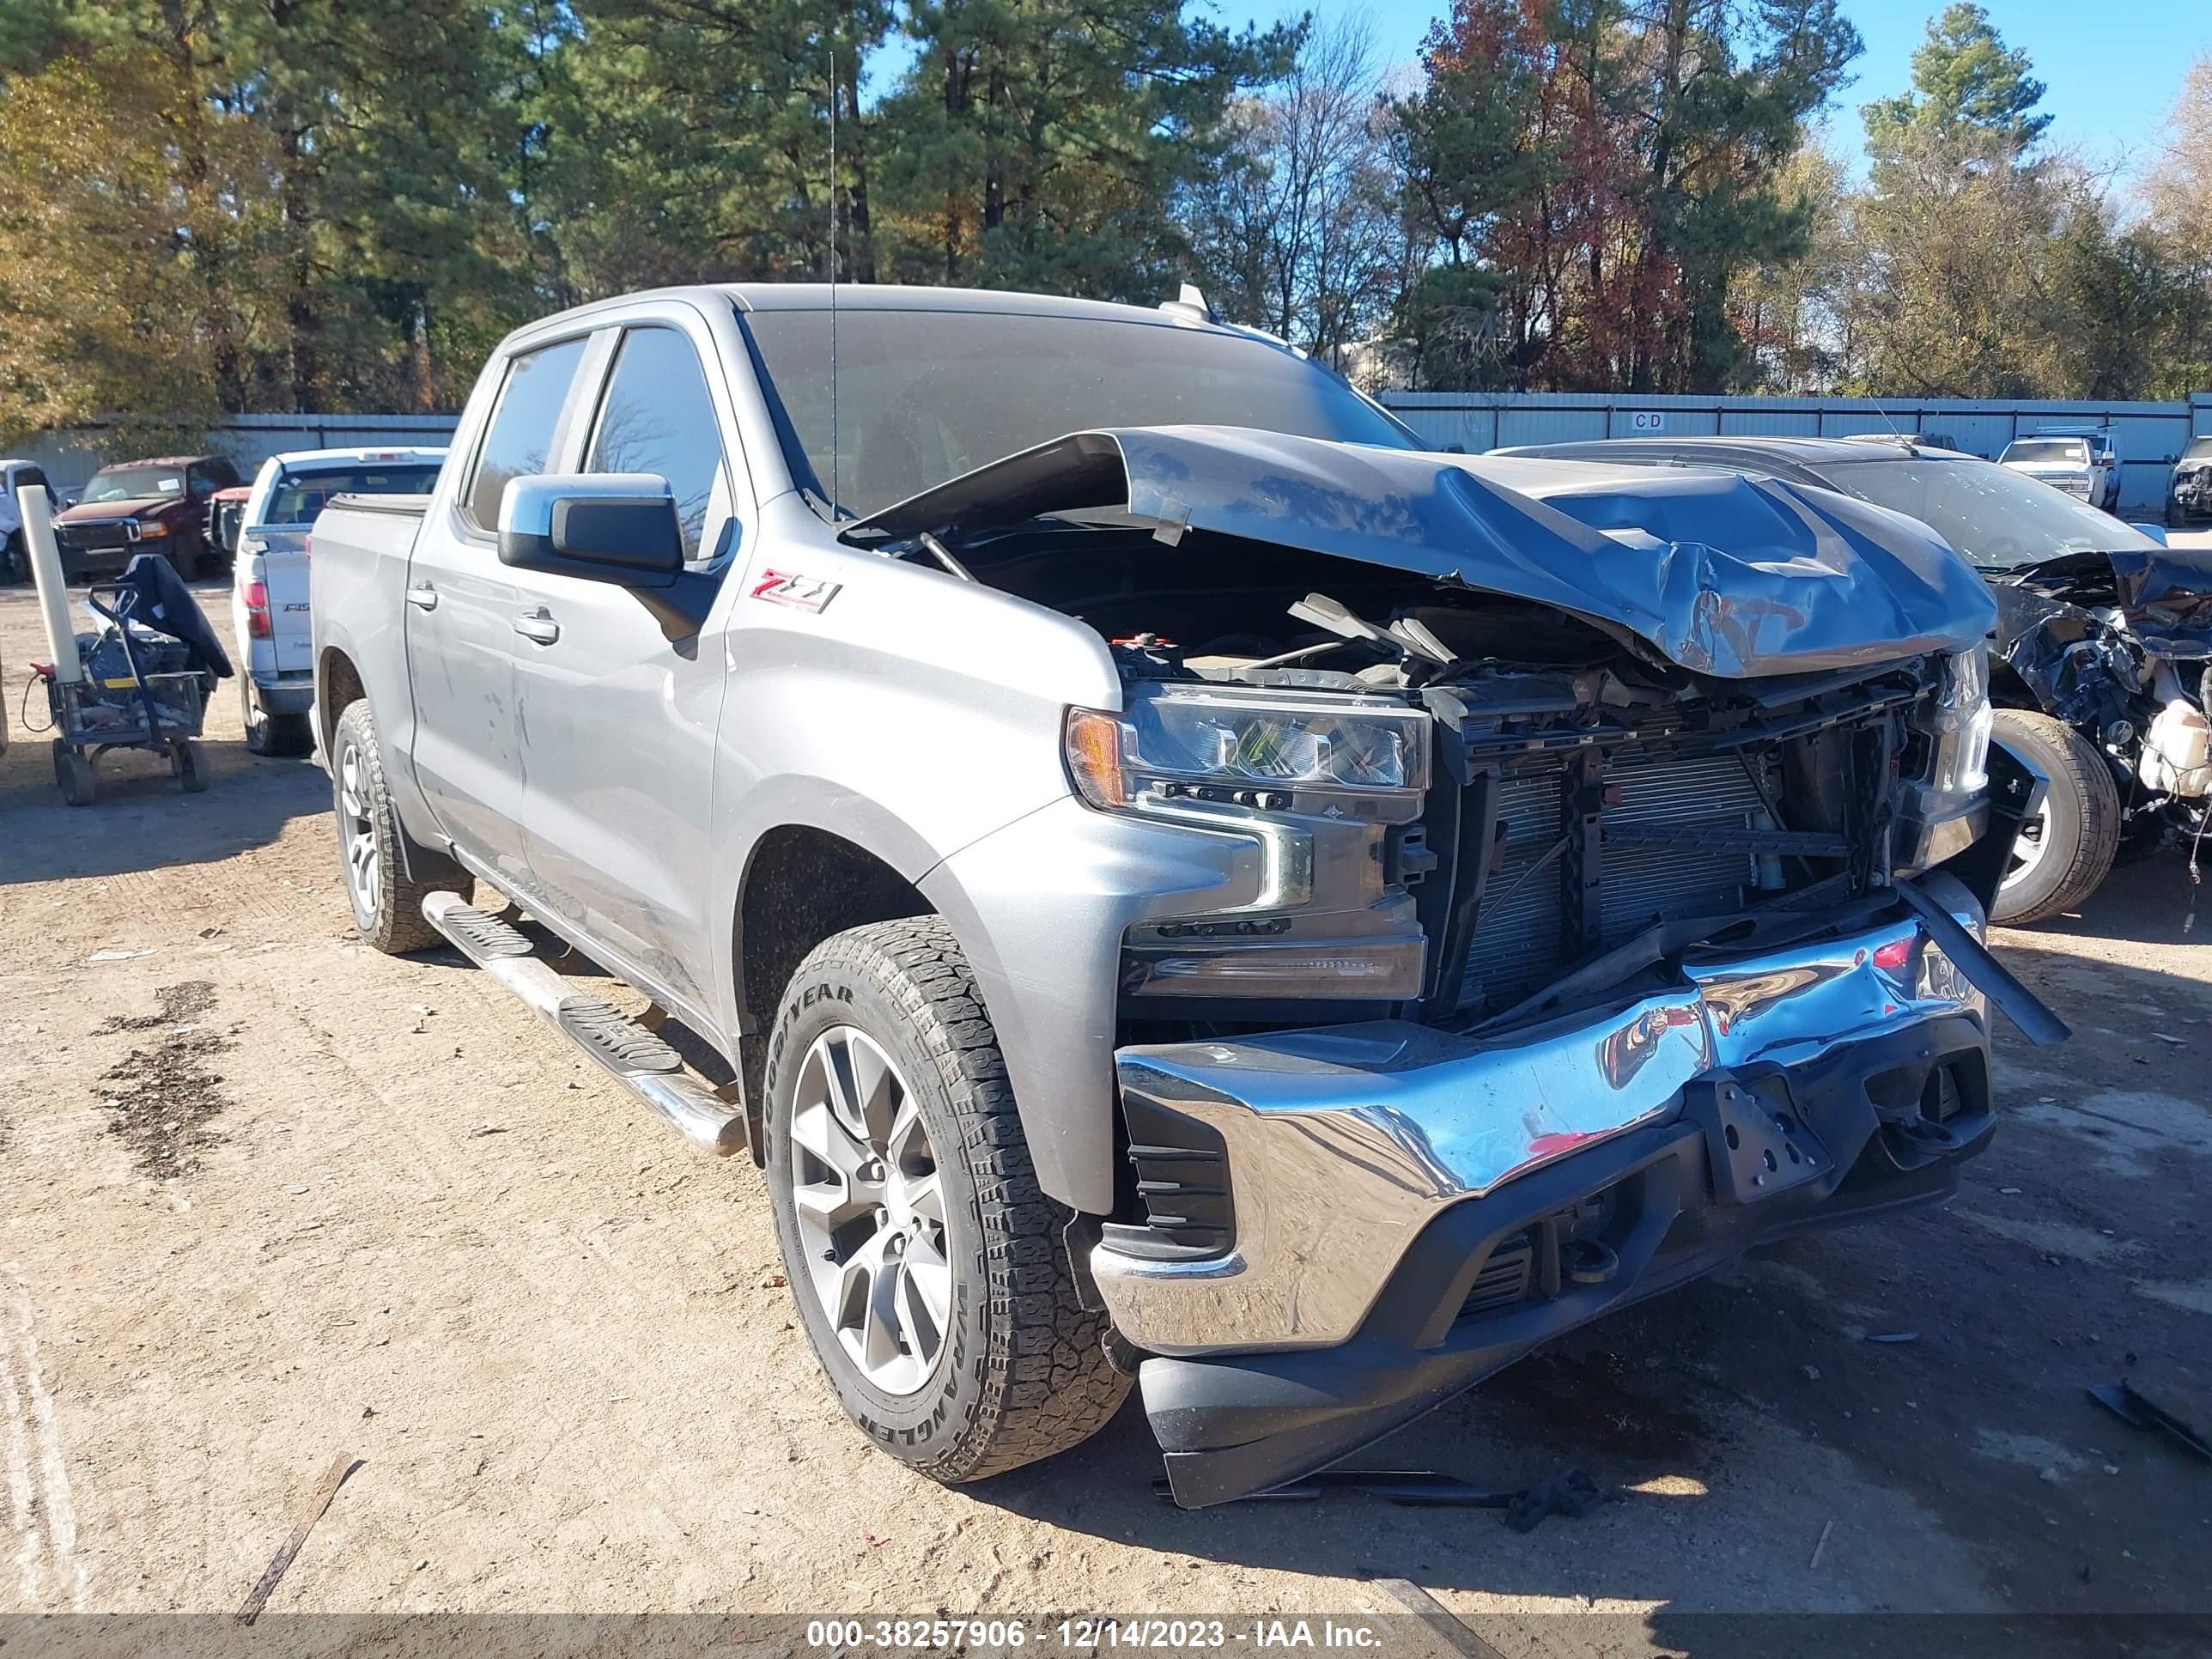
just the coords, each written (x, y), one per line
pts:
(2113, 66)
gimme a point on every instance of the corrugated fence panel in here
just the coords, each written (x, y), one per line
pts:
(1738, 422)
(1630, 420)
(2150, 436)
(1518, 425)
(1985, 435)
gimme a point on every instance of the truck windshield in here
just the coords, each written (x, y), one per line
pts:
(1999, 519)
(129, 484)
(925, 396)
(2049, 449)
(300, 497)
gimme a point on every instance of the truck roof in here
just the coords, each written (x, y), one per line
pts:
(888, 296)
(1734, 451)
(297, 459)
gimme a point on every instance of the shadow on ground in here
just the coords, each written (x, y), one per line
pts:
(2076, 1252)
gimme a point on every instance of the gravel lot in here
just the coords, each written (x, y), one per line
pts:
(267, 1197)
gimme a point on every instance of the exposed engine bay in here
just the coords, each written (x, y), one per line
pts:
(1508, 733)
(2120, 647)
(1580, 810)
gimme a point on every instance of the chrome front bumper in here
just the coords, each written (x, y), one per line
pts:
(1344, 1142)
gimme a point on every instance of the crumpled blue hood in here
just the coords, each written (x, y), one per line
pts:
(1735, 577)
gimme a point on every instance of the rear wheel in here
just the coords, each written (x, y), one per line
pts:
(267, 733)
(2065, 851)
(74, 775)
(387, 906)
(928, 1265)
(15, 559)
(188, 764)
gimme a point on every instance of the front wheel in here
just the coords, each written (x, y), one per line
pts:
(387, 906)
(927, 1264)
(2065, 851)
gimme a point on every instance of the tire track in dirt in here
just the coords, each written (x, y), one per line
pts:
(41, 1509)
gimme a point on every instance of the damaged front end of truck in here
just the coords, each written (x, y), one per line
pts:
(2119, 645)
(1619, 845)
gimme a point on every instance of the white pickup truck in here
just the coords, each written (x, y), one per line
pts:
(268, 612)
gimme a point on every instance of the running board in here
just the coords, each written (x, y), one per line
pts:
(626, 1049)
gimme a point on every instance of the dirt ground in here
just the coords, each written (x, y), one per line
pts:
(267, 1197)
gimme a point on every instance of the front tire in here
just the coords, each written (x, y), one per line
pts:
(2065, 852)
(927, 1264)
(387, 906)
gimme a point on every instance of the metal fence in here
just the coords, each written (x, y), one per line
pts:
(71, 458)
(2150, 437)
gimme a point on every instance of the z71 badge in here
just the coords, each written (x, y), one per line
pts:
(789, 587)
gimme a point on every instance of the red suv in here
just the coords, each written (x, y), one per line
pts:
(157, 505)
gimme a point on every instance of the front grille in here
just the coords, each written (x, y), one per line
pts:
(94, 537)
(1523, 931)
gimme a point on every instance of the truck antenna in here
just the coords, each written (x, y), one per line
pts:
(836, 494)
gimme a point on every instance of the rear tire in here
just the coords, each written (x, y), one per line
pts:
(14, 560)
(2063, 854)
(387, 906)
(188, 764)
(73, 774)
(267, 733)
(923, 1203)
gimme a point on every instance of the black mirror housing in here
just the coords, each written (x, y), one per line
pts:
(619, 527)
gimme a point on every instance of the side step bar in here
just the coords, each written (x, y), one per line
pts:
(641, 1062)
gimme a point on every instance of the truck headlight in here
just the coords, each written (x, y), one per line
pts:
(1962, 725)
(1319, 780)
(1258, 749)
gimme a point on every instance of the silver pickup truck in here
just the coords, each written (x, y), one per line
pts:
(1168, 877)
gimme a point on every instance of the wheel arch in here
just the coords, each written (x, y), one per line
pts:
(801, 884)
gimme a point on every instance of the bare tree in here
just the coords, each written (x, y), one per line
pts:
(2178, 192)
(1299, 233)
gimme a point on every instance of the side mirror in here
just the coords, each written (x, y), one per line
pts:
(2155, 532)
(618, 528)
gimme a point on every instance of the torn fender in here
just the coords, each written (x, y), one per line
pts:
(1735, 577)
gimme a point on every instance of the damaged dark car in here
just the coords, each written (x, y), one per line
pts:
(2100, 657)
(1185, 886)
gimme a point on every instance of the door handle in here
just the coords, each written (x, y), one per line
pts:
(423, 598)
(538, 625)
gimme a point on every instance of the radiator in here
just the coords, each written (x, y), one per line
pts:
(1522, 935)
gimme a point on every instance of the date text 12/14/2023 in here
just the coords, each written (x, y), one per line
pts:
(1089, 1633)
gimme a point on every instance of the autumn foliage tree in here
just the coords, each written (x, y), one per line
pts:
(1601, 174)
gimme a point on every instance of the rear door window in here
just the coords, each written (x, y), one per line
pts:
(300, 497)
(518, 443)
(657, 417)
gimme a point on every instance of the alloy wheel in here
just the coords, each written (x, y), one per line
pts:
(869, 1206)
(364, 868)
(2029, 847)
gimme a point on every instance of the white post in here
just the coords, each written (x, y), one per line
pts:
(46, 572)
